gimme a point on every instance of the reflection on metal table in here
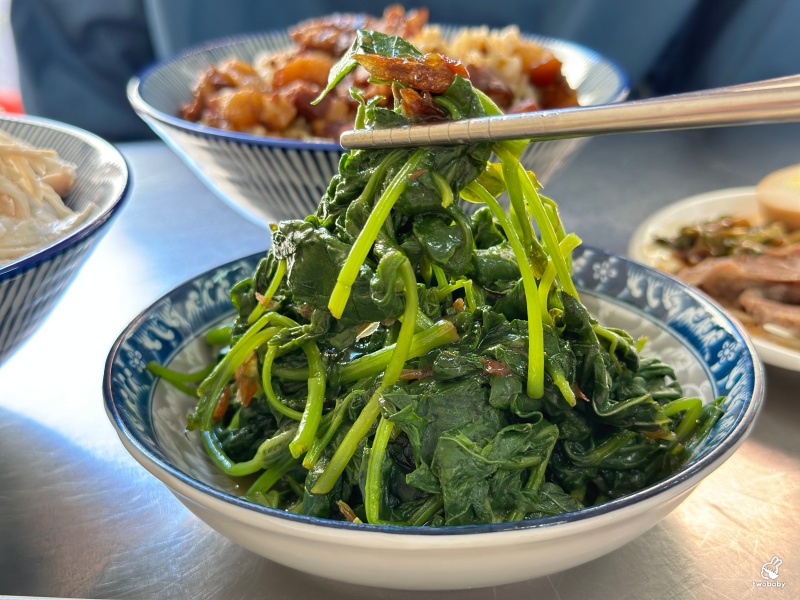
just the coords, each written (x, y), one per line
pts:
(79, 517)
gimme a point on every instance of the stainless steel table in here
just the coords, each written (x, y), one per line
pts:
(80, 518)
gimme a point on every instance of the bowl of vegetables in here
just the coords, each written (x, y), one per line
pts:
(446, 400)
(60, 186)
(708, 352)
(238, 111)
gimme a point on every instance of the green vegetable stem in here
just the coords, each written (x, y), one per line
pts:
(535, 383)
(363, 244)
(391, 373)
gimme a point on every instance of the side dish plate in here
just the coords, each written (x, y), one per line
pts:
(740, 201)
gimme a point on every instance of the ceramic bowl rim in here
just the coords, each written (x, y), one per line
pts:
(715, 457)
(96, 221)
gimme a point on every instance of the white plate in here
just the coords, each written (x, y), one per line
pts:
(695, 209)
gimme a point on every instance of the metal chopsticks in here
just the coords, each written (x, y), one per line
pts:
(768, 101)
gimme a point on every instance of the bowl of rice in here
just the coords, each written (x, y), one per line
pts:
(237, 111)
(60, 186)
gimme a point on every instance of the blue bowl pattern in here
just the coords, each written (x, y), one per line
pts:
(31, 285)
(690, 320)
(268, 179)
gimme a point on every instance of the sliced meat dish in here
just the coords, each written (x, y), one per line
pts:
(767, 312)
(725, 278)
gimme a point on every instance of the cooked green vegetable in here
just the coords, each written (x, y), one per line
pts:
(727, 236)
(395, 360)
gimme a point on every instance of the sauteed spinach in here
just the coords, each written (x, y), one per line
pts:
(395, 359)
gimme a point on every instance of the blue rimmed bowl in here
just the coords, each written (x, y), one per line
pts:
(710, 353)
(267, 179)
(31, 285)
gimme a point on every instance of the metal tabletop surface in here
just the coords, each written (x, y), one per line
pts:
(80, 518)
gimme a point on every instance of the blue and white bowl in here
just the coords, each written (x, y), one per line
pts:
(31, 285)
(711, 354)
(267, 179)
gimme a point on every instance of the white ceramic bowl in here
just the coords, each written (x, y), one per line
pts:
(269, 179)
(711, 354)
(31, 285)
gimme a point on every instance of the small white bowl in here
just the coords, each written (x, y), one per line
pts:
(267, 179)
(710, 352)
(31, 285)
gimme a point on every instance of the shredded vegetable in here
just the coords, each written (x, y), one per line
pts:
(33, 182)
